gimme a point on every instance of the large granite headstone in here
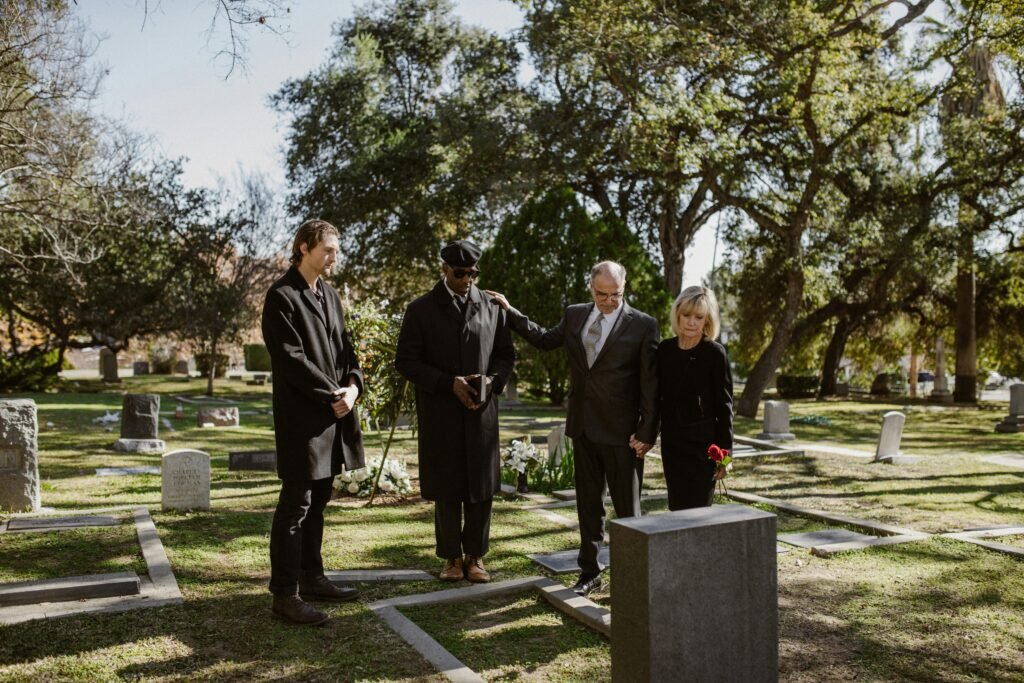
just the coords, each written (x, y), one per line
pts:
(181, 367)
(890, 436)
(265, 461)
(1012, 422)
(108, 365)
(226, 416)
(140, 415)
(140, 367)
(185, 480)
(776, 422)
(19, 456)
(695, 596)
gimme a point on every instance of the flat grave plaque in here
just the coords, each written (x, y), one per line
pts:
(564, 562)
(811, 539)
(265, 461)
(33, 523)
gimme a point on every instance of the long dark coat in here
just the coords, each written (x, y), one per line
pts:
(311, 357)
(458, 448)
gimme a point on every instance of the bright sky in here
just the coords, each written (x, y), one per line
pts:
(164, 80)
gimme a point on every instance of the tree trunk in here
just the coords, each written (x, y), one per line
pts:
(765, 367)
(965, 388)
(673, 253)
(213, 367)
(834, 354)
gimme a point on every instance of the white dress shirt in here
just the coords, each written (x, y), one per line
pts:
(606, 326)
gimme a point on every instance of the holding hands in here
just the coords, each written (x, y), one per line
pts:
(639, 447)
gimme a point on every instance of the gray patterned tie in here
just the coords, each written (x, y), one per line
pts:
(591, 338)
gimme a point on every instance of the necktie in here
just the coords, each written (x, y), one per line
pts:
(591, 338)
(460, 303)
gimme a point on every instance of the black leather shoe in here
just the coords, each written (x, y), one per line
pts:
(292, 608)
(321, 588)
(587, 584)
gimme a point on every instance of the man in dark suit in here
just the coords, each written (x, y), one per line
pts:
(455, 347)
(613, 391)
(316, 383)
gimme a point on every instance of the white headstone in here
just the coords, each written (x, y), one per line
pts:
(776, 421)
(1017, 399)
(19, 456)
(892, 433)
(185, 480)
(556, 443)
(940, 387)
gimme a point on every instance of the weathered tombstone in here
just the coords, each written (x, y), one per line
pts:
(556, 443)
(695, 596)
(181, 367)
(140, 367)
(226, 416)
(842, 388)
(19, 456)
(108, 365)
(1012, 422)
(140, 414)
(940, 387)
(185, 480)
(888, 449)
(510, 396)
(253, 460)
(776, 422)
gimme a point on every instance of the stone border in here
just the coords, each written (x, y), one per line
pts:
(563, 599)
(762, 447)
(887, 534)
(378, 575)
(977, 535)
(158, 588)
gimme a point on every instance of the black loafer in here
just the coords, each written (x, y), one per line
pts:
(587, 584)
(321, 588)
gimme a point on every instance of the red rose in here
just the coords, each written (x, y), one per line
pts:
(716, 453)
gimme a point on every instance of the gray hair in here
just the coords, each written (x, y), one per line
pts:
(615, 271)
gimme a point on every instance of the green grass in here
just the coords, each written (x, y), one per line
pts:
(935, 610)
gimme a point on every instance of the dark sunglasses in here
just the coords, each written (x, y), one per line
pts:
(460, 273)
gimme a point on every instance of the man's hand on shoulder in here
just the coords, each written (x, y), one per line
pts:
(499, 299)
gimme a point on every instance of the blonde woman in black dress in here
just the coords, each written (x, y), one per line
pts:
(695, 393)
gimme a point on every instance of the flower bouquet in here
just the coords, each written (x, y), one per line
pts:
(723, 464)
(521, 457)
(394, 478)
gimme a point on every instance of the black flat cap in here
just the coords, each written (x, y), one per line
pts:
(460, 253)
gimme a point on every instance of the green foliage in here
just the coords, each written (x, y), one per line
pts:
(33, 370)
(386, 393)
(541, 260)
(257, 357)
(162, 357)
(203, 364)
(796, 386)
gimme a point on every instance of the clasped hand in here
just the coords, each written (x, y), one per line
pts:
(466, 394)
(639, 447)
(344, 399)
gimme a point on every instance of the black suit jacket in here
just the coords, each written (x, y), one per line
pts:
(312, 356)
(618, 396)
(458, 448)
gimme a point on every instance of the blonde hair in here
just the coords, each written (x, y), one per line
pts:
(692, 299)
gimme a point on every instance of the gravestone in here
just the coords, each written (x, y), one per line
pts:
(511, 392)
(108, 365)
(695, 596)
(888, 449)
(556, 443)
(776, 422)
(181, 367)
(940, 387)
(1012, 422)
(842, 389)
(265, 461)
(185, 480)
(218, 417)
(140, 414)
(19, 456)
(140, 367)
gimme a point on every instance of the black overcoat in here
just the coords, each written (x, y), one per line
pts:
(311, 357)
(458, 447)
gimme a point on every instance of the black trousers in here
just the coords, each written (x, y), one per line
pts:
(597, 464)
(689, 476)
(297, 533)
(455, 539)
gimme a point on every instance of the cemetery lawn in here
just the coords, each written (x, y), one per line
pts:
(937, 609)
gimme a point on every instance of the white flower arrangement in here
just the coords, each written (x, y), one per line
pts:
(394, 479)
(521, 456)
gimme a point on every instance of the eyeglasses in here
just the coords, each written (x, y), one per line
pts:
(460, 273)
(608, 296)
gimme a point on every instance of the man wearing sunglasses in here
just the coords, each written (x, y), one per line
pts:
(456, 348)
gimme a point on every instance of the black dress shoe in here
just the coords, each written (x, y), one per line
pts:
(292, 608)
(586, 584)
(321, 588)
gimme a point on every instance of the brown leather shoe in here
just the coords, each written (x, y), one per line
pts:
(321, 588)
(452, 570)
(292, 608)
(475, 571)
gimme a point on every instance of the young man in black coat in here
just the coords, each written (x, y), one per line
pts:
(453, 343)
(316, 383)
